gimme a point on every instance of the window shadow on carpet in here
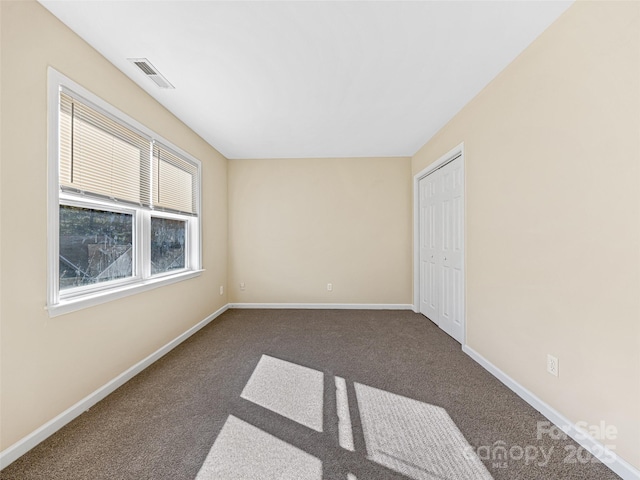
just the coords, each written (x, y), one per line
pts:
(300, 423)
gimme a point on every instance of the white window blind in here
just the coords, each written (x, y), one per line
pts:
(103, 158)
(175, 182)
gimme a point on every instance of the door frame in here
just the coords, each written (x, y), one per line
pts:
(457, 151)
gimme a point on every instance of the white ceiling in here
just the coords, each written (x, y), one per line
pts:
(312, 79)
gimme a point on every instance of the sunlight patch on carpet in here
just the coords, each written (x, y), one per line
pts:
(243, 452)
(415, 439)
(345, 431)
(291, 390)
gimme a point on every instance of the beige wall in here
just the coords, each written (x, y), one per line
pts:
(552, 149)
(298, 224)
(48, 364)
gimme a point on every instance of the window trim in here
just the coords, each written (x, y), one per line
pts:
(59, 304)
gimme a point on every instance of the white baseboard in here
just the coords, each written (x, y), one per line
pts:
(606, 456)
(327, 306)
(22, 446)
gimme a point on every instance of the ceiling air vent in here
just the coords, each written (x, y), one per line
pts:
(151, 72)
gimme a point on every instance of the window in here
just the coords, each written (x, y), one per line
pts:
(123, 203)
(95, 246)
(167, 244)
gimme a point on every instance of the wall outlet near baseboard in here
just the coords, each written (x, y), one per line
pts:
(242, 286)
(330, 287)
(552, 365)
(221, 290)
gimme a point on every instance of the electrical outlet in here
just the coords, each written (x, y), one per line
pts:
(552, 365)
(221, 290)
(242, 286)
(330, 287)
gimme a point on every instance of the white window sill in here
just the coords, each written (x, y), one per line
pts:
(89, 300)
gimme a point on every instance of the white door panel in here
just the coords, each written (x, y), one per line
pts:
(428, 248)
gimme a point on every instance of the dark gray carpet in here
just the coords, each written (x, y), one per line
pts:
(162, 424)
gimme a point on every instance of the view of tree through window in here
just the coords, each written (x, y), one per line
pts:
(167, 244)
(95, 246)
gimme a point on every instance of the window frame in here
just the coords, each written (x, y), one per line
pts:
(64, 301)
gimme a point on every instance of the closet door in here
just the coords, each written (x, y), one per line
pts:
(442, 248)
